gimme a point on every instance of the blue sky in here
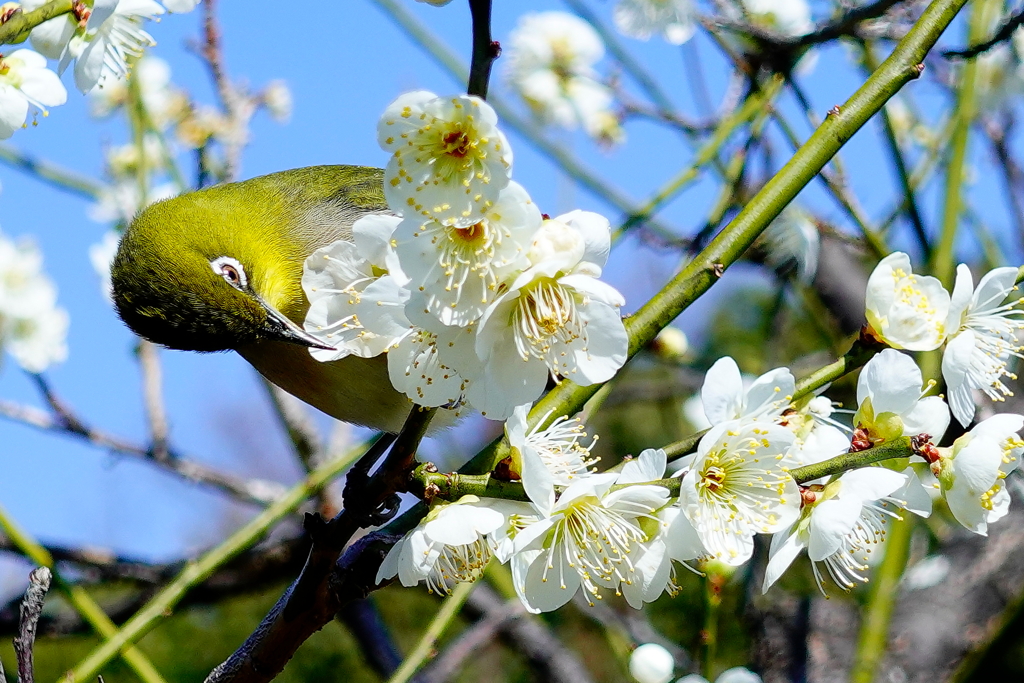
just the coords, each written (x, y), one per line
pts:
(344, 63)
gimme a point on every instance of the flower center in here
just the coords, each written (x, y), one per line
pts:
(545, 316)
(713, 478)
(459, 564)
(456, 143)
(475, 235)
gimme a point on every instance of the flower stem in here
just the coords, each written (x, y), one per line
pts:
(435, 629)
(485, 51)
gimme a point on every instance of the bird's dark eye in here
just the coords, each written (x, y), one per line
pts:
(231, 270)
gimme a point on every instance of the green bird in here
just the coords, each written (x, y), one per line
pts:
(221, 269)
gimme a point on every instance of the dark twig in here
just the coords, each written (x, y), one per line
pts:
(1004, 33)
(31, 608)
(364, 622)
(485, 50)
(325, 583)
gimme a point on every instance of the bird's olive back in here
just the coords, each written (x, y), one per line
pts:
(165, 288)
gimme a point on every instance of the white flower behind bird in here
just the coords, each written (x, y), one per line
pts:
(982, 339)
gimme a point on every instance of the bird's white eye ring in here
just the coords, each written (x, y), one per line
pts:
(231, 270)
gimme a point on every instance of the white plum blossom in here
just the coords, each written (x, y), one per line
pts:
(112, 36)
(51, 38)
(558, 446)
(905, 310)
(673, 20)
(588, 537)
(448, 159)
(725, 397)
(449, 546)
(334, 278)
(891, 401)
(277, 98)
(32, 327)
(972, 473)
(982, 338)
(555, 318)
(25, 82)
(459, 268)
(651, 663)
(551, 58)
(841, 524)
(738, 485)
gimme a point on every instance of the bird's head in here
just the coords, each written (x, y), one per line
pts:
(221, 268)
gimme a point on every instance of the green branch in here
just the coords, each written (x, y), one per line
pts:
(451, 486)
(60, 177)
(441, 622)
(757, 106)
(902, 66)
(15, 29)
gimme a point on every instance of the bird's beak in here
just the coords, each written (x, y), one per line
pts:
(280, 328)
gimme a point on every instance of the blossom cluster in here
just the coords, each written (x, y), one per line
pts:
(551, 58)
(622, 531)
(476, 296)
(977, 325)
(33, 328)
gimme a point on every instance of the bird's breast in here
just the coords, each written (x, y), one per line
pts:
(351, 389)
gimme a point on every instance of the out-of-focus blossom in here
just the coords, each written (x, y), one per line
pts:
(651, 663)
(792, 243)
(674, 20)
(120, 201)
(277, 98)
(551, 65)
(32, 327)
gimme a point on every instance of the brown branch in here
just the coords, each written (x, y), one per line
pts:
(1005, 32)
(31, 608)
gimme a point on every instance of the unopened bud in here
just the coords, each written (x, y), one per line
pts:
(651, 663)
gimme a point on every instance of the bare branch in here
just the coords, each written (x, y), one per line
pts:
(1005, 32)
(31, 608)
(153, 399)
(62, 420)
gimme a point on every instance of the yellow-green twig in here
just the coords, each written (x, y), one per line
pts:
(435, 629)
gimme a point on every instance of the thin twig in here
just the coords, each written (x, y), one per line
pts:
(441, 622)
(63, 421)
(447, 664)
(31, 608)
(1005, 32)
(153, 398)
